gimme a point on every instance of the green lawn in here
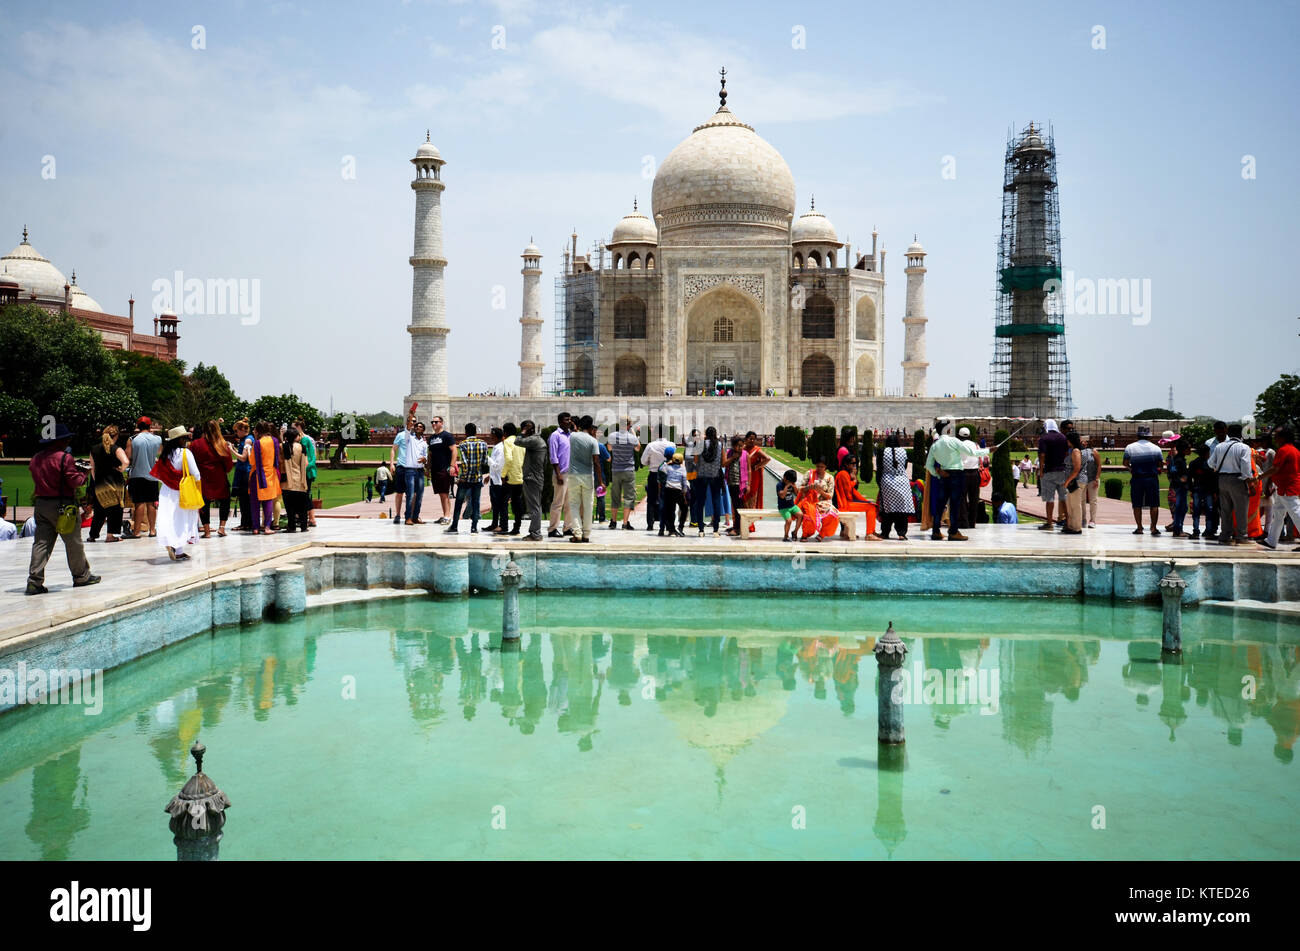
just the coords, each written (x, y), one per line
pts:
(17, 484)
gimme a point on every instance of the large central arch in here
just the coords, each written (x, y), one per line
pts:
(724, 327)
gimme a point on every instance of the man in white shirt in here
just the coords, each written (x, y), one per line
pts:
(653, 458)
(8, 531)
(382, 479)
(1230, 460)
(971, 467)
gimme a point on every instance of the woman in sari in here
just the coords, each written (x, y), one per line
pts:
(737, 477)
(755, 461)
(849, 499)
(816, 499)
(177, 527)
(264, 479)
(215, 460)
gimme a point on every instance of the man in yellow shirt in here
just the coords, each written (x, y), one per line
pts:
(512, 478)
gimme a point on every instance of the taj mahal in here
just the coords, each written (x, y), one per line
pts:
(721, 289)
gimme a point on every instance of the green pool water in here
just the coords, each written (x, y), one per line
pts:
(638, 726)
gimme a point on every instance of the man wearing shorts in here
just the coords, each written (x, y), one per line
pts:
(143, 487)
(1145, 460)
(1053, 449)
(623, 447)
(442, 458)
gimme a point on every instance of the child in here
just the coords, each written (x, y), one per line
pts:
(787, 506)
(370, 489)
(673, 489)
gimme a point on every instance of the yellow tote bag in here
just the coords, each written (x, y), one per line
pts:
(191, 497)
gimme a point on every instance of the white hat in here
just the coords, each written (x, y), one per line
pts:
(964, 431)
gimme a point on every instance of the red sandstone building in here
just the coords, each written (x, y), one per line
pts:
(27, 277)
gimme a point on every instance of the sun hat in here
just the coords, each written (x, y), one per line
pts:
(1168, 437)
(176, 432)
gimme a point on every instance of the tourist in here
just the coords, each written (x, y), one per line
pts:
(534, 474)
(848, 446)
(143, 449)
(1255, 491)
(29, 528)
(442, 466)
(512, 475)
(653, 458)
(177, 526)
(1145, 461)
(369, 489)
(56, 477)
(557, 446)
(1091, 483)
(583, 478)
(673, 490)
(296, 484)
(896, 502)
(108, 462)
(469, 464)
(970, 465)
(264, 478)
(708, 480)
(496, 483)
(1264, 461)
(1284, 472)
(8, 530)
(849, 499)
(382, 480)
(756, 461)
(309, 450)
(737, 480)
(623, 447)
(1205, 491)
(948, 485)
(1074, 485)
(411, 452)
(1179, 480)
(212, 453)
(816, 498)
(1026, 470)
(786, 505)
(241, 453)
(603, 466)
(1004, 513)
(1053, 448)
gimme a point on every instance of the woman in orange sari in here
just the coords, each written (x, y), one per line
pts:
(849, 499)
(816, 499)
(1253, 526)
(264, 478)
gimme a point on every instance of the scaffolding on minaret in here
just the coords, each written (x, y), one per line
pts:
(1030, 373)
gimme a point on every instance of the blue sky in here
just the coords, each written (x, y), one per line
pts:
(226, 162)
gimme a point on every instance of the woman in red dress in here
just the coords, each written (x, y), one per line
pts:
(215, 459)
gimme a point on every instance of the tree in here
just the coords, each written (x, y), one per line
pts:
(19, 419)
(822, 444)
(1279, 405)
(86, 410)
(43, 355)
(381, 420)
(216, 394)
(867, 458)
(157, 384)
(1157, 412)
(285, 409)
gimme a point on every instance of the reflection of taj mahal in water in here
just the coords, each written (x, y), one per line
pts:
(720, 287)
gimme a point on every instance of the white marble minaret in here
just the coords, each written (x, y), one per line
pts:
(428, 328)
(914, 320)
(530, 320)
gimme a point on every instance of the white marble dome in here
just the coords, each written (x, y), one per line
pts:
(635, 228)
(813, 226)
(81, 300)
(33, 272)
(723, 173)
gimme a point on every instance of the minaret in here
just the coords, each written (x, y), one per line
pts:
(428, 328)
(914, 320)
(530, 320)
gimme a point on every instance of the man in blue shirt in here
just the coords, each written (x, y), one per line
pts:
(1145, 461)
(1004, 513)
(409, 452)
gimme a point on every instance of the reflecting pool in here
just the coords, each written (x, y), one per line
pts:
(633, 726)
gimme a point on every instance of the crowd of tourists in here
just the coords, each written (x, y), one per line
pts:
(146, 484)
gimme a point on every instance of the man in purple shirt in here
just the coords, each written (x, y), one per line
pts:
(557, 448)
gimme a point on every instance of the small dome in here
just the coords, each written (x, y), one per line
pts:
(33, 272)
(428, 150)
(532, 251)
(81, 300)
(634, 228)
(915, 247)
(812, 225)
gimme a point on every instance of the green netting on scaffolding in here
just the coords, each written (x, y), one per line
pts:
(1023, 277)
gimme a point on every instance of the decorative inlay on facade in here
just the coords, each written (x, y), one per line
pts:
(693, 285)
(725, 212)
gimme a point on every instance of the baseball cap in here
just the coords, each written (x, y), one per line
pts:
(964, 431)
(145, 421)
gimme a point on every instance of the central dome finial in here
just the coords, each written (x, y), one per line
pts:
(722, 93)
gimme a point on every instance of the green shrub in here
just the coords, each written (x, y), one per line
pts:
(916, 456)
(822, 444)
(867, 457)
(1004, 479)
(798, 443)
(1113, 487)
